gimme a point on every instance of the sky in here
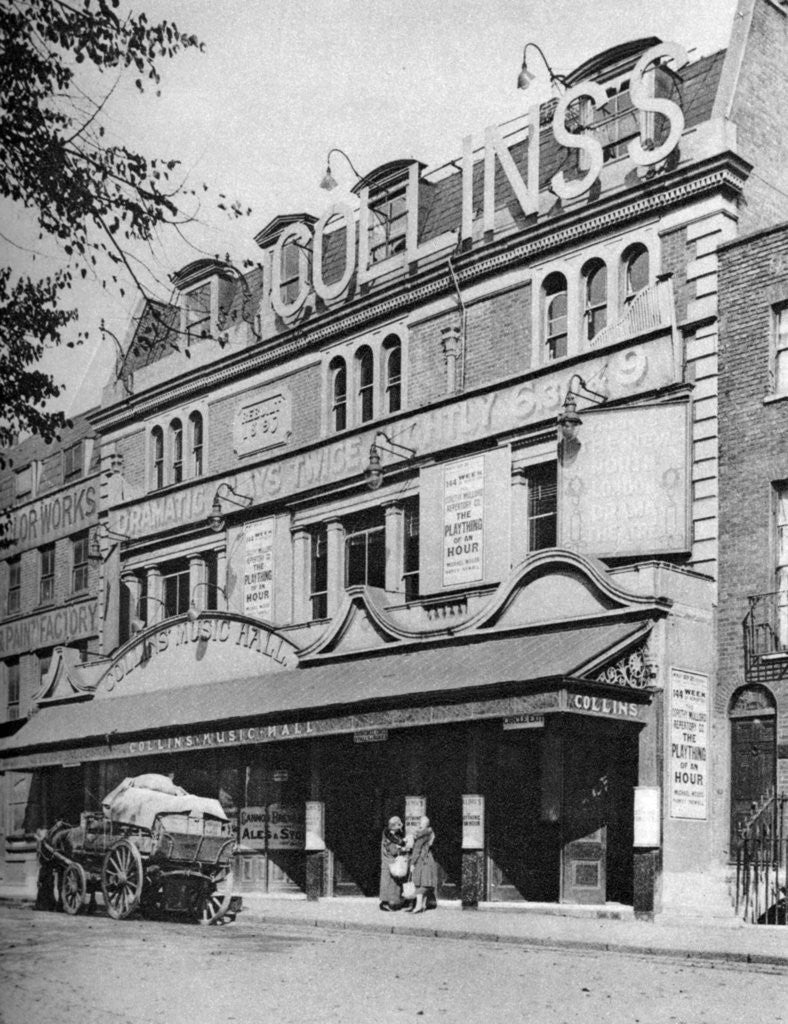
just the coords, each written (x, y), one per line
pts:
(283, 81)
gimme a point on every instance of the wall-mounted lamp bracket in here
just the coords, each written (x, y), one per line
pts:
(374, 469)
(568, 419)
(216, 518)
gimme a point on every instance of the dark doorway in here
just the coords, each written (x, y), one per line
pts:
(753, 755)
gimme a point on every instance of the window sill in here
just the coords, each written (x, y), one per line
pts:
(776, 397)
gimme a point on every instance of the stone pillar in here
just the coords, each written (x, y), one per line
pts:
(647, 869)
(133, 584)
(395, 548)
(302, 611)
(221, 579)
(451, 340)
(154, 611)
(315, 845)
(335, 554)
(519, 516)
(472, 882)
(199, 592)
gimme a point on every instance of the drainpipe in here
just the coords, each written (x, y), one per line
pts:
(463, 321)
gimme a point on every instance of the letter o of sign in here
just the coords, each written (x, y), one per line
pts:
(327, 292)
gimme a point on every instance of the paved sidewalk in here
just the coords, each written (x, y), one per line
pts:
(762, 944)
(605, 929)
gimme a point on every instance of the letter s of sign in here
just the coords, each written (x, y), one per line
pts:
(571, 189)
(642, 97)
(300, 234)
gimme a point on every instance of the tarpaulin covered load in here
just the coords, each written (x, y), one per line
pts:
(137, 801)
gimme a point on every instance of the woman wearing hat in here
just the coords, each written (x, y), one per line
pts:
(392, 845)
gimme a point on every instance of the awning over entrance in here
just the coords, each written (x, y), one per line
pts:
(421, 676)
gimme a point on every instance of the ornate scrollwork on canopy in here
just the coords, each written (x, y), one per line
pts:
(633, 670)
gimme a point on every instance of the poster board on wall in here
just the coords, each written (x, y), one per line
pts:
(465, 521)
(624, 485)
(258, 573)
(688, 744)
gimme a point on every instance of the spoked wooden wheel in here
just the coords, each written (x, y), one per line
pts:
(121, 879)
(73, 888)
(213, 908)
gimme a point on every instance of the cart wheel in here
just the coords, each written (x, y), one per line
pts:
(121, 879)
(213, 907)
(73, 889)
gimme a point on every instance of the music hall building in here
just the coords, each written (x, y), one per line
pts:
(428, 519)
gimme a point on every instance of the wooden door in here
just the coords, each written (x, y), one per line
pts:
(753, 767)
(584, 825)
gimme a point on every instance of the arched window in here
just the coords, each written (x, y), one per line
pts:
(338, 373)
(636, 271)
(366, 384)
(157, 457)
(393, 362)
(176, 451)
(196, 443)
(555, 319)
(595, 296)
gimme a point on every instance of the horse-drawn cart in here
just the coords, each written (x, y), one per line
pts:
(154, 848)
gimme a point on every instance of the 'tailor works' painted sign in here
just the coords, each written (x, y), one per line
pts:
(526, 192)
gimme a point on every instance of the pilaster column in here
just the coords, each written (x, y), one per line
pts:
(133, 584)
(222, 597)
(451, 341)
(198, 573)
(335, 554)
(395, 548)
(301, 538)
(519, 516)
(472, 882)
(154, 612)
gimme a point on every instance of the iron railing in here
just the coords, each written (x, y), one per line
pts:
(651, 308)
(761, 860)
(765, 628)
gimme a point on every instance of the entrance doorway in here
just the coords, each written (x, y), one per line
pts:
(600, 774)
(753, 754)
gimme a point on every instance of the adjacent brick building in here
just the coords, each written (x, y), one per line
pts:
(752, 695)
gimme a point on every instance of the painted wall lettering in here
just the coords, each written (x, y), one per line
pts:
(53, 516)
(56, 627)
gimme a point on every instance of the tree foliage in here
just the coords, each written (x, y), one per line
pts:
(95, 198)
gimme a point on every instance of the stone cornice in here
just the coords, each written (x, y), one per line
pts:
(724, 172)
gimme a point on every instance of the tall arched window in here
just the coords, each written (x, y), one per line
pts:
(636, 271)
(393, 363)
(595, 297)
(176, 451)
(157, 456)
(338, 394)
(555, 318)
(196, 443)
(366, 384)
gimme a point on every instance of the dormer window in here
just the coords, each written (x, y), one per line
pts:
(616, 124)
(388, 218)
(197, 312)
(290, 273)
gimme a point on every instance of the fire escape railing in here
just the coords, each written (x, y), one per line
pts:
(765, 630)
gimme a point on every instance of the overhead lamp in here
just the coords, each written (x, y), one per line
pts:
(374, 469)
(194, 610)
(569, 418)
(526, 76)
(216, 518)
(329, 182)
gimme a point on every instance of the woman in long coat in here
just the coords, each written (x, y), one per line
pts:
(392, 844)
(424, 870)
